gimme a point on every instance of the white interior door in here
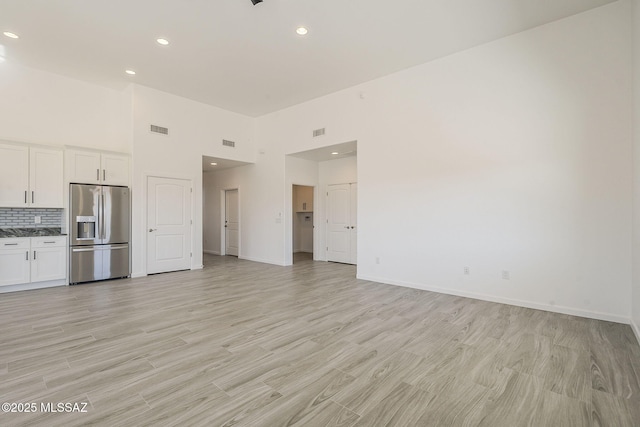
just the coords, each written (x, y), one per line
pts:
(353, 212)
(231, 222)
(168, 225)
(341, 226)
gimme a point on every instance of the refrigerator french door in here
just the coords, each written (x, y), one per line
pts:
(99, 232)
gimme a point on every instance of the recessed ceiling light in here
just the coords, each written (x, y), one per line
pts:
(11, 35)
(130, 72)
(214, 164)
(163, 42)
(302, 31)
(335, 152)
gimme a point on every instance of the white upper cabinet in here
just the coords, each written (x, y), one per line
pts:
(83, 167)
(92, 167)
(14, 175)
(115, 169)
(303, 198)
(30, 177)
(45, 178)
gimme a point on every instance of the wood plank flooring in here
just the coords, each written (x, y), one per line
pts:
(247, 344)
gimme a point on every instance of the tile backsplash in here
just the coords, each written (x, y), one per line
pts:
(24, 217)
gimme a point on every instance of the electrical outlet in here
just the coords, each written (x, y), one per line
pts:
(37, 219)
(466, 271)
(506, 275)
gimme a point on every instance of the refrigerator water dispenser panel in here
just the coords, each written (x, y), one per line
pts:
(86, 227)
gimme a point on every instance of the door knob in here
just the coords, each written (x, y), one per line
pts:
(346, 226)
(151, 230)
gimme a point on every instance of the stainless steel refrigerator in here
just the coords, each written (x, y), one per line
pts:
(99, 230)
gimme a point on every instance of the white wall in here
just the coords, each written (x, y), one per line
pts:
(514, 155)
(636, 179)
(211, 215)
(45, 108)
(195, 130)
(261, 215)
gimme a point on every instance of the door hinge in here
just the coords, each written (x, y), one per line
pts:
(191, 222)
(191, 254)
(191, 190)
(327, 247)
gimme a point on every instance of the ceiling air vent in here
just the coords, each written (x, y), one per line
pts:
(159, 129)
(228, 143)
(318, 132)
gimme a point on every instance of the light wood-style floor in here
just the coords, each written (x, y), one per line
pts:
(248, 344)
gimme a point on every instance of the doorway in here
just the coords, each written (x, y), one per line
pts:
(231, 223)
(302, 222)
(168, 224)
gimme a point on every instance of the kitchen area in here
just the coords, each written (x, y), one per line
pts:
(64, 216)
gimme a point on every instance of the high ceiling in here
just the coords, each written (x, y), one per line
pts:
(249, 59)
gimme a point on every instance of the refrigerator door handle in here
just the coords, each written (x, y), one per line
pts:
(87, 249)
(102, 219)
(121, 246)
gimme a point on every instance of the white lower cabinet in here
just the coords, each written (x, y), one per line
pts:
(33, 260)
(48, 258)
(15, 267)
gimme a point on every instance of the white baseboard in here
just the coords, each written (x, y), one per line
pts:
(198, 267)
(32, 286)
(636, 330)
(263, 261)
(136, 275)
(211, 252)
(491, 298)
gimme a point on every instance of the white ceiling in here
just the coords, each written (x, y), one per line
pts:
(248, 59)
(322, 154)
(221, 164)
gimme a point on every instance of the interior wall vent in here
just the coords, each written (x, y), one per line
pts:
(159, 129)
(228, 143)
(318, 132)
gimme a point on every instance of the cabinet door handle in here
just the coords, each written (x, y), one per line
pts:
(49, 242)
(97, 174)
(11, 244)
(26, 256)
(34, 255)
(33, 196)
(104, 174)
(25, 197)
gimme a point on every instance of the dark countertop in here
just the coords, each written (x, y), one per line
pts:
(30, 232)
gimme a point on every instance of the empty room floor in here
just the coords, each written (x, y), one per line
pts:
(249, 344)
